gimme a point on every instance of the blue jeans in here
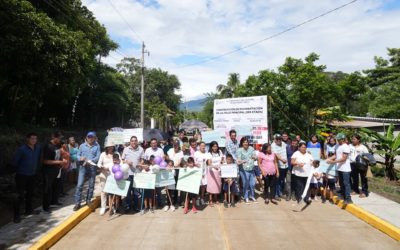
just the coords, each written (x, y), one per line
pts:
(132, 198)
(91, 173)
(280, 184)
(248, 180)
(344, 182)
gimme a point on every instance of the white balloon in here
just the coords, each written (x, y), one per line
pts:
(156, 169)
(124, 168)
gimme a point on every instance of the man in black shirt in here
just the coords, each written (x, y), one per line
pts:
(52, 164)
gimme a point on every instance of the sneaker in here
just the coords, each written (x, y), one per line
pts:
(247, 201)
(225, 204)
(202, 202)
(274, 202)
(173, 208)
(76, 207)
(266, 201)
(253, 200)
(152, 210)
(194, 209)
(166, 208)
(198, 202)
(142, 212)
(287, 198)
(293, 197)
(347, 202)
(102, 211)
(233, 204)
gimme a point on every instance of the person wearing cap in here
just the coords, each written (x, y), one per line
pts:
(52, 163)
(279, 149)
(89, 154)
(105, 165)
(342, 160)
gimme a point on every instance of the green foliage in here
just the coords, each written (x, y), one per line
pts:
(387, 146)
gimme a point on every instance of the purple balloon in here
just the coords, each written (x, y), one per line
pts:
(118, 175)
(163, 164)
(157, 160)
(116, 168)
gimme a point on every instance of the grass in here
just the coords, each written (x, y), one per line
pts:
(378, 184)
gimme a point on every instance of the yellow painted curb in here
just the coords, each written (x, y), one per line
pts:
(58, 232)
(371, 219)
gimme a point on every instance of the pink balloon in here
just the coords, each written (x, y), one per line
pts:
(118, 175)
(157, 160)
(163, 164)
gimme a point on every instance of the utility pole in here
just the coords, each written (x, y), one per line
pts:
(142, 87)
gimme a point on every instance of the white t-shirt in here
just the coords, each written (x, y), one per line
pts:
(150, 151)
(355, 151)
(307, 159)
(215, 158)
(313, 178)
(199, 159)
(343, 166)
(175, 157)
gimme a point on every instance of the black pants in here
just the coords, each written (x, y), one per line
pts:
(57, 187)
(356, 174)
(49, 177)
(300, 186)
(25, 191)
(269, 186)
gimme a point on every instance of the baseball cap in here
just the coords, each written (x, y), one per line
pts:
(91, 134)
(340, 136)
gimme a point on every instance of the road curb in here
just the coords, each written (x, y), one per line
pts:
(370, 218)
(58, 232)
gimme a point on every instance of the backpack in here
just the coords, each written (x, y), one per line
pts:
(361, 163)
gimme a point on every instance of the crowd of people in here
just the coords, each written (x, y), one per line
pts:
(281, 170)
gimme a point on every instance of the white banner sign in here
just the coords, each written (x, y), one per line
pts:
(229, 171)
(243, 113)
(129, 132)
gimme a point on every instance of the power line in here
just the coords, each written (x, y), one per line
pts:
(268, 38)
(126, 22)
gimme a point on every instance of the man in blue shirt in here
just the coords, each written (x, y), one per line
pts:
(26, 163)
(232, 145)
(88, 156)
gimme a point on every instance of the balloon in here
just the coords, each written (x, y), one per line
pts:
(156, 169)
(116, 168)
(157, 160)
(124, 168)
(163, 164)
(118, 175)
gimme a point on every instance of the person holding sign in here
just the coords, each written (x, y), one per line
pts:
(230, 186)
(245, 159)
(190, 196)
(215, 159)
(268, 163)
(200, 160)
(148, 193)
(105, 164)
(175, 154)
(302, 163)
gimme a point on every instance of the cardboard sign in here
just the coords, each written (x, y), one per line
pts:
(115, 137)
(116, 187)
(128, 133)
(327, 168)
(214, 135)
(144, 180)
(229, 171)
(189, 180)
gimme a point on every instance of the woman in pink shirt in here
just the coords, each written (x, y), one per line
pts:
(268, 163)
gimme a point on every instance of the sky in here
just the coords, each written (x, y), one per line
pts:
(178, 33)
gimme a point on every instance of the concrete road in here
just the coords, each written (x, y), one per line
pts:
(255, 226)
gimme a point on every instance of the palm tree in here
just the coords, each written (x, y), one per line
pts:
(228, 90)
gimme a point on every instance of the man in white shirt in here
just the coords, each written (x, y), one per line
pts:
(279, 149)
(356, 149)
(132, 155)
(343, 167)
(157, 152)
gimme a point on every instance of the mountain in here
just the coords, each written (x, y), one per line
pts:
(194, 105)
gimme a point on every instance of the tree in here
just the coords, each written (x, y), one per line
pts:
(387, 146)
(384, 86)
(229, 90)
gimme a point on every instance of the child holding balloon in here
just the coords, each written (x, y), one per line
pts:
(115, 200)
(148, 194)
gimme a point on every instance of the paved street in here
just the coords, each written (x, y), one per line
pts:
(256, 226)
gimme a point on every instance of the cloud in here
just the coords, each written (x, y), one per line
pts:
(179, 32)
